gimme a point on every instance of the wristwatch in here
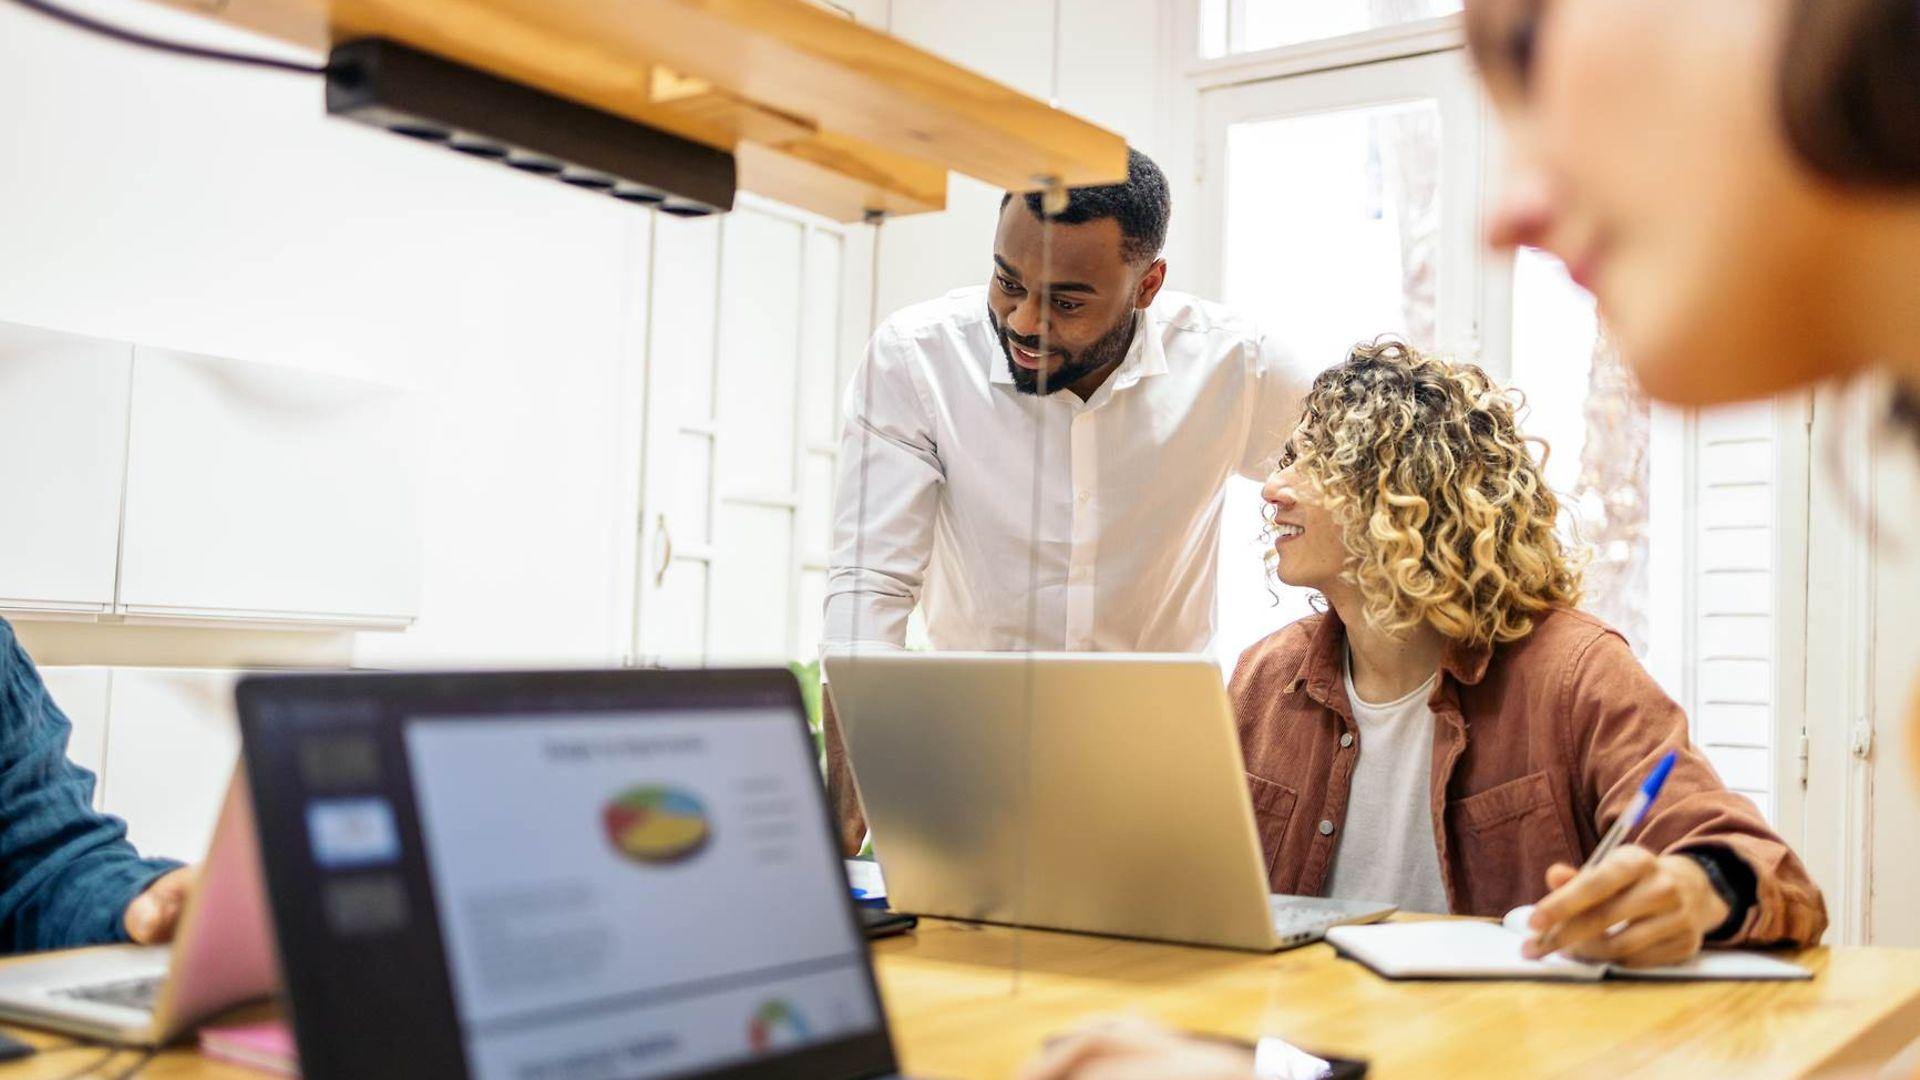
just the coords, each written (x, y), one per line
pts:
(1713, 863)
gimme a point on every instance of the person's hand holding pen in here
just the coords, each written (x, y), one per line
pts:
(1627, 905)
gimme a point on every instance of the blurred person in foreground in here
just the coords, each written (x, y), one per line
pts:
(1738, 183)
(68, 877)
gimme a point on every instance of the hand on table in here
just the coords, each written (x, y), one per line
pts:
(1666, 903)
(153, 915)
(1131, 1049)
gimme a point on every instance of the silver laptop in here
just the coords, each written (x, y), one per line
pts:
(222, 955)
(1095, 792)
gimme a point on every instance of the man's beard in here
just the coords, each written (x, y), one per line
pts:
(1110, 348)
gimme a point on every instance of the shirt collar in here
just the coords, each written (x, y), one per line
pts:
(1146, 356)
(1322, 670)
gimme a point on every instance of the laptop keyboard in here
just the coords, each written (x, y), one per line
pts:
(137, 993)
(1291, 917)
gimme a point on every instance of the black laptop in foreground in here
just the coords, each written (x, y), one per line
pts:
(557, 876)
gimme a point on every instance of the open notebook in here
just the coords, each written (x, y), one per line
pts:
(1456, 949)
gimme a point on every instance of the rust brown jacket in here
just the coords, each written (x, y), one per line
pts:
(1538, 745)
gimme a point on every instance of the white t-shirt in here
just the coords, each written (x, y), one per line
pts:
(1386, 846)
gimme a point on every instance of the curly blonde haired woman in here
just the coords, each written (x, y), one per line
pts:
(1451, 734)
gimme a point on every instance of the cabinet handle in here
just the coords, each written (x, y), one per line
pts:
(666, 553)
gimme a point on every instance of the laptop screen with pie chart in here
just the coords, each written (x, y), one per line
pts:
(567, 876)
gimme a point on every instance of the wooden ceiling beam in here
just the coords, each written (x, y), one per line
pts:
(822, 113)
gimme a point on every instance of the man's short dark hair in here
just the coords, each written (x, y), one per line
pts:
(1141, 206)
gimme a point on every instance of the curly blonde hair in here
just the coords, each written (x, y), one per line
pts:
(1443, 510)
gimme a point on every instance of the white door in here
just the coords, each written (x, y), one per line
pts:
(756, 316)
(1339, 205)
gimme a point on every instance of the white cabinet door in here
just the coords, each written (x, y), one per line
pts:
(756, 319)
(63, 442)
(82, 693)
(258, 492)
(172, 741)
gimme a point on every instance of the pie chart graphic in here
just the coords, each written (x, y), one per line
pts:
(656, 824)
(776, 1026)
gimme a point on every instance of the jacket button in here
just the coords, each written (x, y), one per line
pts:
(1326, 828)
(1346, 738)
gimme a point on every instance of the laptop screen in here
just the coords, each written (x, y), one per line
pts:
(643, 889)
(613, 890)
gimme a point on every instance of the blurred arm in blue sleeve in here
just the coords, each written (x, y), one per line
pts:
(67, 872)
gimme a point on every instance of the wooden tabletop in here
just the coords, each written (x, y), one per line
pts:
(959, 1012)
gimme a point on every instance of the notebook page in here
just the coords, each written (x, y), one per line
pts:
(1711, 964)
(1717, 964)
(1451, 949)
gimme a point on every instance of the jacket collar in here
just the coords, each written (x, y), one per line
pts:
(1322, 671)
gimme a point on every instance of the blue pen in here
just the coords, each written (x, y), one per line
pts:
(1629, 819)
(1635, 813)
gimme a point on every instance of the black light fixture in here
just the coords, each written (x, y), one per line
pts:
(424, 97)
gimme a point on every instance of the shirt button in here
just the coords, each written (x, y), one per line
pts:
(1082, 498)
(1346, 738)
(1326, 828)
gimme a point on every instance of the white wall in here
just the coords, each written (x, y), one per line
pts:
(215, 209)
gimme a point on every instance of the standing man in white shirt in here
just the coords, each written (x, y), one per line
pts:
(1150, 400)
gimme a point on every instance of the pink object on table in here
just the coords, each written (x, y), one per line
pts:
(265, 1045)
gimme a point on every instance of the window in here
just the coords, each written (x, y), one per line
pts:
(1238, 26)
(1334, 220)
(1344, 211)
(1595, 424)
(1678, 511)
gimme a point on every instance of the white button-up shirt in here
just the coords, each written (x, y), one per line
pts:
(937, 494)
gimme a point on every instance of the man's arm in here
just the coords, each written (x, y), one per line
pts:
(849, 815)
(1277, 383)
(888, 495)
(67, 873)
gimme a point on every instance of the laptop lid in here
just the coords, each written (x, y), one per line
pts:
(557, 875)
(223, 953)
(1103, 793)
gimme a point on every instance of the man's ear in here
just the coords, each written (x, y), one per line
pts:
(1150, 283)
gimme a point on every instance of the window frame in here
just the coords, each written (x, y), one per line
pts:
(1469, 278)
(1413, 38)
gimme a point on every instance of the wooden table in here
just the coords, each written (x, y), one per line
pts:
(958, 1012)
